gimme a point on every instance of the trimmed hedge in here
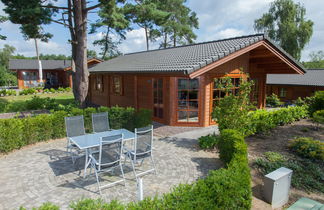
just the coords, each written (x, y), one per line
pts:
(208, 142)
(226, 188)
(261, 120)
(15, 133)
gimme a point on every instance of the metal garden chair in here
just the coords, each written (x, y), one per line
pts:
(74, 127)
(100, 122)
(142, 149)
(108, 158)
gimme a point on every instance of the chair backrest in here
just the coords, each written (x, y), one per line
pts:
(143, 140)
(100, 122)
(110, 150)
(74, 126)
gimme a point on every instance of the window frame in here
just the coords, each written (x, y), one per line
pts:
(283, 90)
(188, 110)
(99, 84)
(113, 85)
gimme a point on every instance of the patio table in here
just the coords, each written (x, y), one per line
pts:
(91, 140)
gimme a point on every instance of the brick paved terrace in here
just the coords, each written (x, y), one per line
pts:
(44, 173)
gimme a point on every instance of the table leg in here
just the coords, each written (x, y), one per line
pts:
(86, 163)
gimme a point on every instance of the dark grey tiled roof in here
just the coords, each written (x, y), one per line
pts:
(312, 77)
(186, 59)
(23, 64)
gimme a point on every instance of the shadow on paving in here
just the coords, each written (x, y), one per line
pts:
(190, 144)
(207, 164)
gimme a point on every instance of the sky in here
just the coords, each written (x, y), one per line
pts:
(217, 20)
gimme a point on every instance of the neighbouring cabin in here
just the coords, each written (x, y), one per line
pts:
(56, 73)
(290, 87)
(179, 84)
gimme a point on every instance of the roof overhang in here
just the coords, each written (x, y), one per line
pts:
(92, 60)
(279, 53)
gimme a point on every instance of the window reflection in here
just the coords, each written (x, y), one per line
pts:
(188, 100)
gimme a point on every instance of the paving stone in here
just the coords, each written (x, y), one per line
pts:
(44, 173)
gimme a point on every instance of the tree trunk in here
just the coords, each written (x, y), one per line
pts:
(174, 38)
(147, 39)
(106, 44)
(165, 40)
(79, 53)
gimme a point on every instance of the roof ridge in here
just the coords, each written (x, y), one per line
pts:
(206, 42)
(20, 59)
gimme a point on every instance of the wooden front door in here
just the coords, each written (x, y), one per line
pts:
(158, 103)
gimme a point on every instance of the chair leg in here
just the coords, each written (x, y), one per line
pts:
(133, 166)
(98, 182)
(153, 164)
(122, 171)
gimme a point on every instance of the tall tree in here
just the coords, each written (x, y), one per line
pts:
(3, 19)
(32, 15)
(316, 60)
(7, 78)
(145, 14)
(286, 24)
(178, 29)
(115, 24)
(91, 54)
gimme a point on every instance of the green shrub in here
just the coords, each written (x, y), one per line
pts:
(274, 156)
(15, 133)
(273, 100)
(11, 135)
(46, 90)
(52, 90)
(68, 89)
(230, 143)
(45, 206)
(308, 147)
(90, 204)
(142, 118)
(300, 102)
(264, 121)
(208, 142)
(5, 92)
(316, 102)
(28, 91)
(307, 174)
(318, 116)
(61, 89)
(37, 103)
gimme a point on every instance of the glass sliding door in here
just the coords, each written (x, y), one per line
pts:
(158, 98)
(187, 100)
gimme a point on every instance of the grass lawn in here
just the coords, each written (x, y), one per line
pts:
(25, 102)
(61, 98)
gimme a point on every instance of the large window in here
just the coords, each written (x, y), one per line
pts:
(117, 85)
(30, 78)
(283, 93)
(187, 106)
(99, 82)
(158, 97)
(219, 92)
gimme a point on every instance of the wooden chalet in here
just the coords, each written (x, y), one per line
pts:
(56, 73)
(290, 87)
(178, 84)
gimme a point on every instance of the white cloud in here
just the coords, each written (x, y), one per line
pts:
(217, 20)
(27, 47)
(229, 32)
(221, 19)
